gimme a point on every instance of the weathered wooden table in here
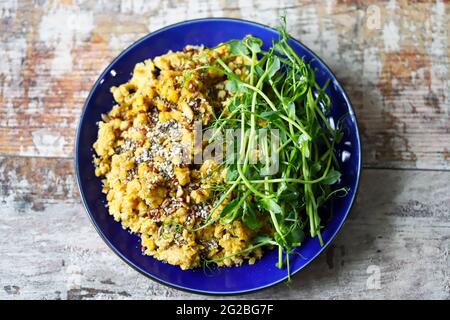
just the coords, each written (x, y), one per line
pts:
(393, 58)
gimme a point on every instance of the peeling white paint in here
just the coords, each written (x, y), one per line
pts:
(168, 13)
(119, 42)
(12, 55)
(439, 29)
(10, 119)
(308, 31)
(329, 39)
(62, 62)
(13, 180)
(138, 6)
(392, 5)
(372, 64)
(63, 28)
(61, 23)
(74, 276)
(48, 143)
(329, 6)
(8, 9)
(371, 72)
(391, 37)
(438, 51)
(260, 11)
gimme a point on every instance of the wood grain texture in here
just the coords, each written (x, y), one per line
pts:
(393, 58)
(50, 250)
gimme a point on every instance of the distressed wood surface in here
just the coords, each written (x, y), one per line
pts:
(50, 250)
(391, 56)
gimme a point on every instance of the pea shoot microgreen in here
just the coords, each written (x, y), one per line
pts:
(280, 92)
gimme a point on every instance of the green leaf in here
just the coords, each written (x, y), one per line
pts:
(332, 177)
(274, 66)
(289, 196)
(270, 205)
(296, 235)
(315, 168)
(321, 200)
(304, 145)
(231, 217)
(278, 47)
(232, 173)
(259, 70)
(279, 239)
(235, 86)
(269, 115)
(255, 44)
(288, 193)
(338, 135)
(238, 48)
(251, 217)
(233, 104)
(291, 108)
(302, 138)
(229, 208)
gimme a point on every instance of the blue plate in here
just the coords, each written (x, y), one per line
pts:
(234, 280)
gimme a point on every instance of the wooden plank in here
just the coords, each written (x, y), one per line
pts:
(50, 250)
(393, 59)
(34, 182)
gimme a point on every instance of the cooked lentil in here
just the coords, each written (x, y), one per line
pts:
(150, 185)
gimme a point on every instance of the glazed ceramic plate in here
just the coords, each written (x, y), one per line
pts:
(233, 280)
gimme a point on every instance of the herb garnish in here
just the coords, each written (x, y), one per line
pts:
(280, 92)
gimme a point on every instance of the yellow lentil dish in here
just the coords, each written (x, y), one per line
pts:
(150, 183)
